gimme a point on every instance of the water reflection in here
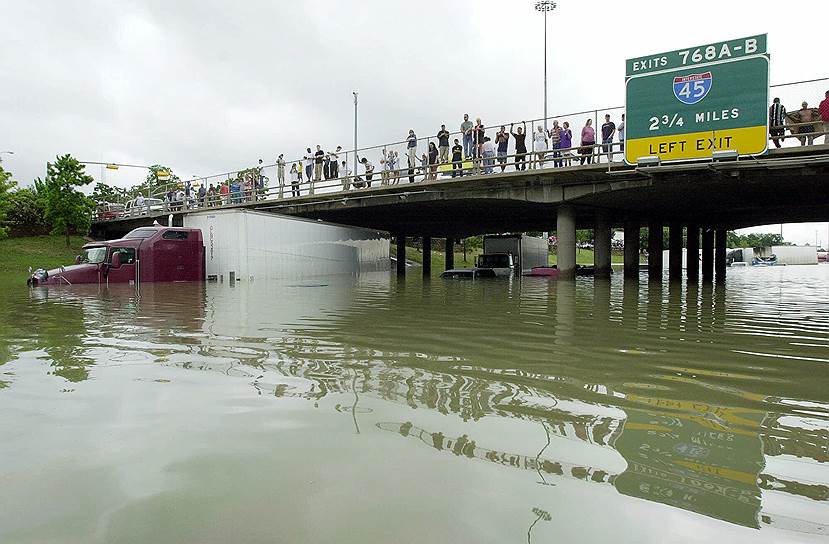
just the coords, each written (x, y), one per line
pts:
(701, 399)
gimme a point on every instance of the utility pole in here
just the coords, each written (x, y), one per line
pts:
(544, 6)
(354, 172)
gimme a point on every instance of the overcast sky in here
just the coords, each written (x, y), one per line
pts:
(208, 87)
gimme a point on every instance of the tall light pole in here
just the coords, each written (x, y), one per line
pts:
(544, 6)
(354, 172)
(7, 153)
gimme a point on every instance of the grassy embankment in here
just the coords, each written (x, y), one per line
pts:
(18, 254)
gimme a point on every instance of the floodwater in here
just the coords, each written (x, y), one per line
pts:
(363, 410)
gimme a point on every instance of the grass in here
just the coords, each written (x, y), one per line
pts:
(583, 257)
(18, 254)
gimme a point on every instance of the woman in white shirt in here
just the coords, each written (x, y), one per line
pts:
(540, 145)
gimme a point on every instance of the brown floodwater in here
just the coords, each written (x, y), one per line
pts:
(368, 410)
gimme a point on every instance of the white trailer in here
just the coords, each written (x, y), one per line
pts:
(790, 255)
(528, 251)
(248, 245)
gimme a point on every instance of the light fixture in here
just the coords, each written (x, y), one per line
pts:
(726, 155)
(651, 160)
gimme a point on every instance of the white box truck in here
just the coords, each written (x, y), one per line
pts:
(526, 252)
(248, 245)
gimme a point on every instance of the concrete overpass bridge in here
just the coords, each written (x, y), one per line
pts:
(706, 199)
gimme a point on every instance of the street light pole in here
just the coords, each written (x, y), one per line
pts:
(354, 172)
(544, 6)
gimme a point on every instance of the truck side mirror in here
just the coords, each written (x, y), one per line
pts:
(116, 260)
(77, 259)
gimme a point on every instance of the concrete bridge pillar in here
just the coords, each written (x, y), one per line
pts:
(427, 256)
(450, 254)
(692, 236)
(656, 240)
(566, 245)
(675, 252)
(401, 256)
(721, 236)
(601, 248)
(707, 255)
(632, 250)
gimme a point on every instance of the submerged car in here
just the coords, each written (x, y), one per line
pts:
(468, 273)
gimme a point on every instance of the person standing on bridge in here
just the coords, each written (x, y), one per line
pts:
(457, 159)
(346, 175)
(309, 164)
(335, 162)
(411, 148)
(296, 178)
(621, 131)
(369, 170)
(488, 154)
(555, 142)
(777, 118)
(443, 144)
(608, 131)
(478, 133)
(466, 132)
(805, 116)
(540, 145)
(280, 173)
(520, 138)
(823, 110)
(433, 162)
(588, 140)
(318, 160)
(566, 143)
(502, 140)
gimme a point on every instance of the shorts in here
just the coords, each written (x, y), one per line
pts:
(502, 157)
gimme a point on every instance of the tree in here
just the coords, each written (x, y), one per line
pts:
(27, 212)
(6, 185)
(761, 239)
(158, 179)
(108, 193)
(66, 208)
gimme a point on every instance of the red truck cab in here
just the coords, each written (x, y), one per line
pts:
(146, 254)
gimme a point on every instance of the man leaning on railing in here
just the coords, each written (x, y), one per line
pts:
(823, 109)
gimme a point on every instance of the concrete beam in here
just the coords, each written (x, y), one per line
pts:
(675, 252)
(692, 268)
(721, 240)
(401, 256)
(449, 260)
(566, 245)
(632, 250)
(656, 240)
(427, 256)
(601, 250)
(707, 255)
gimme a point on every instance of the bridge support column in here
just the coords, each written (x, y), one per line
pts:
(707, 255)
(692, 236)
(449, 260)
(721, 236)
(401, 256)
(675, 252)
(601, 249)
(427, 256)
(656, 240)
(632, 250)
(566, 245)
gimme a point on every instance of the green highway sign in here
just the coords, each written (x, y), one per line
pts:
(690, 103)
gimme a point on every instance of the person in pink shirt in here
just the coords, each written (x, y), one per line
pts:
(823, 109)
(588, 140)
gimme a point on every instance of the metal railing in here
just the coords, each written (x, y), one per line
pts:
(272, 182)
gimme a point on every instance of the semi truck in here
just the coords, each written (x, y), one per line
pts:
(146, 254)
(518, 253)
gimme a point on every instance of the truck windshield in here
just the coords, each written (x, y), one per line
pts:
(94, 255)
(494, 261)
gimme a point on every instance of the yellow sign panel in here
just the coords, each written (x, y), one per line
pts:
(698, 145)
(112, 167)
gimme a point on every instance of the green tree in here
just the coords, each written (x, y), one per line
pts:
(6, 186)
(760, 239)
(158, 179)
(108, 193)
(27, 212)
(67, 210)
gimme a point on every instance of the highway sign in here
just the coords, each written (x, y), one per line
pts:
(687, 104)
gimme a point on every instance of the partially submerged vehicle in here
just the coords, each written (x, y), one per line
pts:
(503, 264)
(765, 261)
(468, 273)
(146, 254)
